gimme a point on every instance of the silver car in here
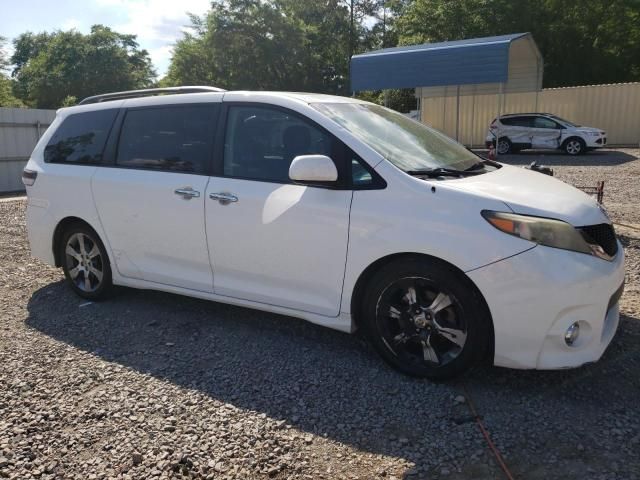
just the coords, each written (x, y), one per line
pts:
(521, 131)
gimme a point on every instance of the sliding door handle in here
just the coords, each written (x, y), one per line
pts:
(223, 197)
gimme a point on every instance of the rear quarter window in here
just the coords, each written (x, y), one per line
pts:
(80, 138)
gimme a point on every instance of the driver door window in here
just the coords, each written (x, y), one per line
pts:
(261, 142)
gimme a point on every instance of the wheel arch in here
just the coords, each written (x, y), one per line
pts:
(367, 274)
(58, 233)
(574, 137)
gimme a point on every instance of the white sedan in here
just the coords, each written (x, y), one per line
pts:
(330, 209)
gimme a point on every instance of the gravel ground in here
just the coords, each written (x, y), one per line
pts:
(153, 385)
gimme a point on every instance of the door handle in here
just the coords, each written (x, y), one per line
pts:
(223, 197)
(187, 193)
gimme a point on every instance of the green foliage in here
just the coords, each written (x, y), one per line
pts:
(581, 42)
(305, 45)
(271, 45)
(4, 61)
(69, 101)
(400, 99)
(7, 99)
(50, 67)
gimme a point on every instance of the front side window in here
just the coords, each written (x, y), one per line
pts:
(360, 176)
(566, 122)
(80, 138)
(177, 138)
(409, 145)
(261, 142)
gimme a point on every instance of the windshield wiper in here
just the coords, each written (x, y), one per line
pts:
(442, 172)
(476, 166)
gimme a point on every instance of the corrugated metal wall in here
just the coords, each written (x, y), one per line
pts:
(614, 108)
(20, 130)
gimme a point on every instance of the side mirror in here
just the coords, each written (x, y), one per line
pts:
(313, 169)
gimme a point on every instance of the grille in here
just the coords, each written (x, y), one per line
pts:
(603, 235)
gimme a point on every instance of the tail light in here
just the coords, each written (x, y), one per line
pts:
(493, 125)
(29, 177)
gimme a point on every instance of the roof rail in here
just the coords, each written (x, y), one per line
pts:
(106, 97)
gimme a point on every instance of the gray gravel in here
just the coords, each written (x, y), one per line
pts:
(153, 385)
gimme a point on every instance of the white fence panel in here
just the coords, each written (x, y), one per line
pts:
(20, 130)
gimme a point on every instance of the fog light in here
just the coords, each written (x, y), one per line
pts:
(572, 334)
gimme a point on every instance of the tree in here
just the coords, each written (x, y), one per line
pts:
(581, 43)
(7, 99)
(272, 44)
(49, 67)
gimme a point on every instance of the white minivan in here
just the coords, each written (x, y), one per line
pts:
(330, 209)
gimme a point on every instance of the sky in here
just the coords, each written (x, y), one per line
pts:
(157, 23)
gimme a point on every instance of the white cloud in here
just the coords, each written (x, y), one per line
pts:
(72, 23)
(157, 23)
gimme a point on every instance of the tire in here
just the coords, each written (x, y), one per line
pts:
(439, 331)
(574, 146)
(504, 146)
(85, 263)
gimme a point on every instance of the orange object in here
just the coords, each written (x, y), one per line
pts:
(503, 224)
(492, 152)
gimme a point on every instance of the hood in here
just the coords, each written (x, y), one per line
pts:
(533, 193)
(587, 129)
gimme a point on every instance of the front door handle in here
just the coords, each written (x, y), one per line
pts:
(223, 197)
(187, 193)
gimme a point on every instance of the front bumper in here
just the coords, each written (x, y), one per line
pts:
(596, 142)
(535, 296)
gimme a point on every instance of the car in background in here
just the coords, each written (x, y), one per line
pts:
(522, 131)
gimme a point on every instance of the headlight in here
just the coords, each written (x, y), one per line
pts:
(594, 134)
(544, 231)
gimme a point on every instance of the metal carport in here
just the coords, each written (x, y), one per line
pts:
(500, 64)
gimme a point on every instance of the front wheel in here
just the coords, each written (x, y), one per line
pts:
(574, 146)
(425, 319)
(85, 263)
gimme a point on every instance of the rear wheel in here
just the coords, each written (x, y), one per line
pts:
(504, 146)
(85, 263)
(425, 319)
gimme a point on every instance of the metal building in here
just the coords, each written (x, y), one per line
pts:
(489, 65)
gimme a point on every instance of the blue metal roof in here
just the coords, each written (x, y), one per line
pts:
(459, 62)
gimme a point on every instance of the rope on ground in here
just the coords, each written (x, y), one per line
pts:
(485, 433)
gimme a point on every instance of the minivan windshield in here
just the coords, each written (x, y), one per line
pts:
(409, 145)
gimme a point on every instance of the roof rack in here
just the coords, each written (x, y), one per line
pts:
(106, 97)
(525, 113)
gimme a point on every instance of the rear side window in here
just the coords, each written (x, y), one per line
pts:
(176, 139)
(517, 121)
(80, 138)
